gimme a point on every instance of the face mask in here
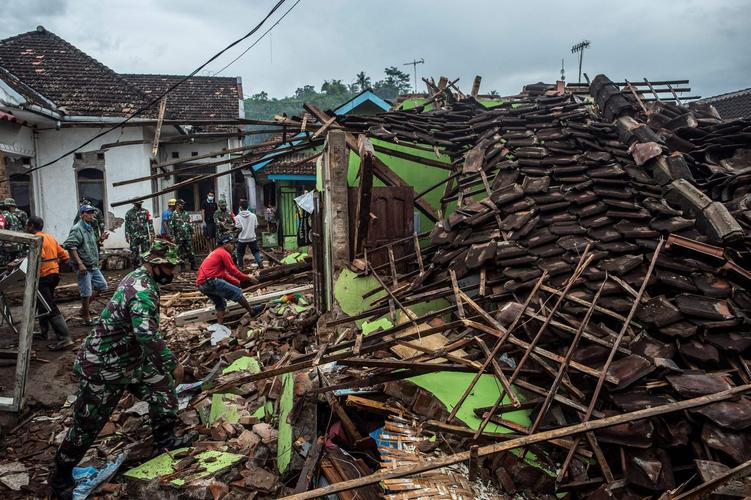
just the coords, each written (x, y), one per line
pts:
(162, 278)
(210, 198)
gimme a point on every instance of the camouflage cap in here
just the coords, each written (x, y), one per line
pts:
(10, 202)
(162, 252)
(222, 202)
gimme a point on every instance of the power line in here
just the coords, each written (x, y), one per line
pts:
(233, 61)
(160, 96)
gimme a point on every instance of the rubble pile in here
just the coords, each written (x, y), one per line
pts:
(580, 200)
(575, 323)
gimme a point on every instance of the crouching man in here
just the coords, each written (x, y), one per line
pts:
(218, 278)
(125, 352)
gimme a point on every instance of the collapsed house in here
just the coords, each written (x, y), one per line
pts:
(570, 317)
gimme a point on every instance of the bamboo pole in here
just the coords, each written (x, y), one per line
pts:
(519, 442)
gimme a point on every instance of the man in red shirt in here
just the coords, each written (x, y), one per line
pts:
(219, 278)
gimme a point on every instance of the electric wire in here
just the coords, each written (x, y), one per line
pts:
(166, 92)
(259, 38)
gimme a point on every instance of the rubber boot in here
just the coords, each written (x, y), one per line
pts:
(61, 330)
(61, 481)
(165, 439)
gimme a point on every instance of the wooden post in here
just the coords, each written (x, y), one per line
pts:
(34, 249)
(476, 86)
(364, 190)
(335, 186)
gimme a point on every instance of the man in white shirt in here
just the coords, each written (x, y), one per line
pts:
(247, 222)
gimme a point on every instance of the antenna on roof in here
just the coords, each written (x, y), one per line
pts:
(414, 65)
(579, 47)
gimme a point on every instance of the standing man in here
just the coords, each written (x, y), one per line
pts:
(247, 222)
(219, 279)
(12, 222)
(270, 216)
(83, 245)
(98, 216)
(125, 352)
(181, 231)
(208, 208)
(21, 215)
(139, 231)
(165, 218)
(9, 251)
(224, 221)
(49, 277)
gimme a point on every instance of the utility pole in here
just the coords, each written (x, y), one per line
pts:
(414, 66)
(579, 47)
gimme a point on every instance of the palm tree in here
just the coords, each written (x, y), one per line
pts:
(362, 81)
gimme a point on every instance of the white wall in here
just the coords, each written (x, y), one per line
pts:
(57, 199)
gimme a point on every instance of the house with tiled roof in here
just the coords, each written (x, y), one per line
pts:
(54, 97)
(731, 105)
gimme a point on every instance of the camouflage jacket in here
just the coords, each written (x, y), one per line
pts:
(12, 223)
(138, 225)
(225, 224)
(22, 216)
(126, 346)
(180, 227)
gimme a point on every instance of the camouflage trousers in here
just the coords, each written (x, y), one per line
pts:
(95, 403)
(185, 249)
(137, 247)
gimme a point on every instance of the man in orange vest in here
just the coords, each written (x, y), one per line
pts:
(49, 278)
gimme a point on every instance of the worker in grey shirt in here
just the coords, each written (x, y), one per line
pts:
(247, 222)
(83, 244)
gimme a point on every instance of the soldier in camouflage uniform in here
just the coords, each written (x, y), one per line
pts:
(125, 352)
(21, 215)
(9, 251)
(181, 231)
(225, 223)
(139, 231)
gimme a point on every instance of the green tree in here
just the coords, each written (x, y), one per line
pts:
(362, 82)
(396, 82)
(333, 88)
(306, 92)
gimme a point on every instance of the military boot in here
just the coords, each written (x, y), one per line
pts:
(61, 481)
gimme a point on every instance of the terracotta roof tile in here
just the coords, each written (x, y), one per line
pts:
(732, 105)
(199, 98)
(40, 65)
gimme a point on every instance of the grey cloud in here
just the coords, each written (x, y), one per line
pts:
(508, 43)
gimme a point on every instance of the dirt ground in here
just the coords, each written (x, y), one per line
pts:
(50, 379)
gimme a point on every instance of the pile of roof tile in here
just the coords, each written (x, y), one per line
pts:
(582, 191)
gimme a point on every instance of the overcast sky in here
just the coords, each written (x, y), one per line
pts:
(508, 43)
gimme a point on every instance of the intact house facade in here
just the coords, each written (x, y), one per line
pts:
(54, 97)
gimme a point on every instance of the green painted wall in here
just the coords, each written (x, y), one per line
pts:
(419, 176)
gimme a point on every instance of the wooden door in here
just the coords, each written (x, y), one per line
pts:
(392, 210)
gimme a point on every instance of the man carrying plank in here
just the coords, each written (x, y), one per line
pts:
(219, 278)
